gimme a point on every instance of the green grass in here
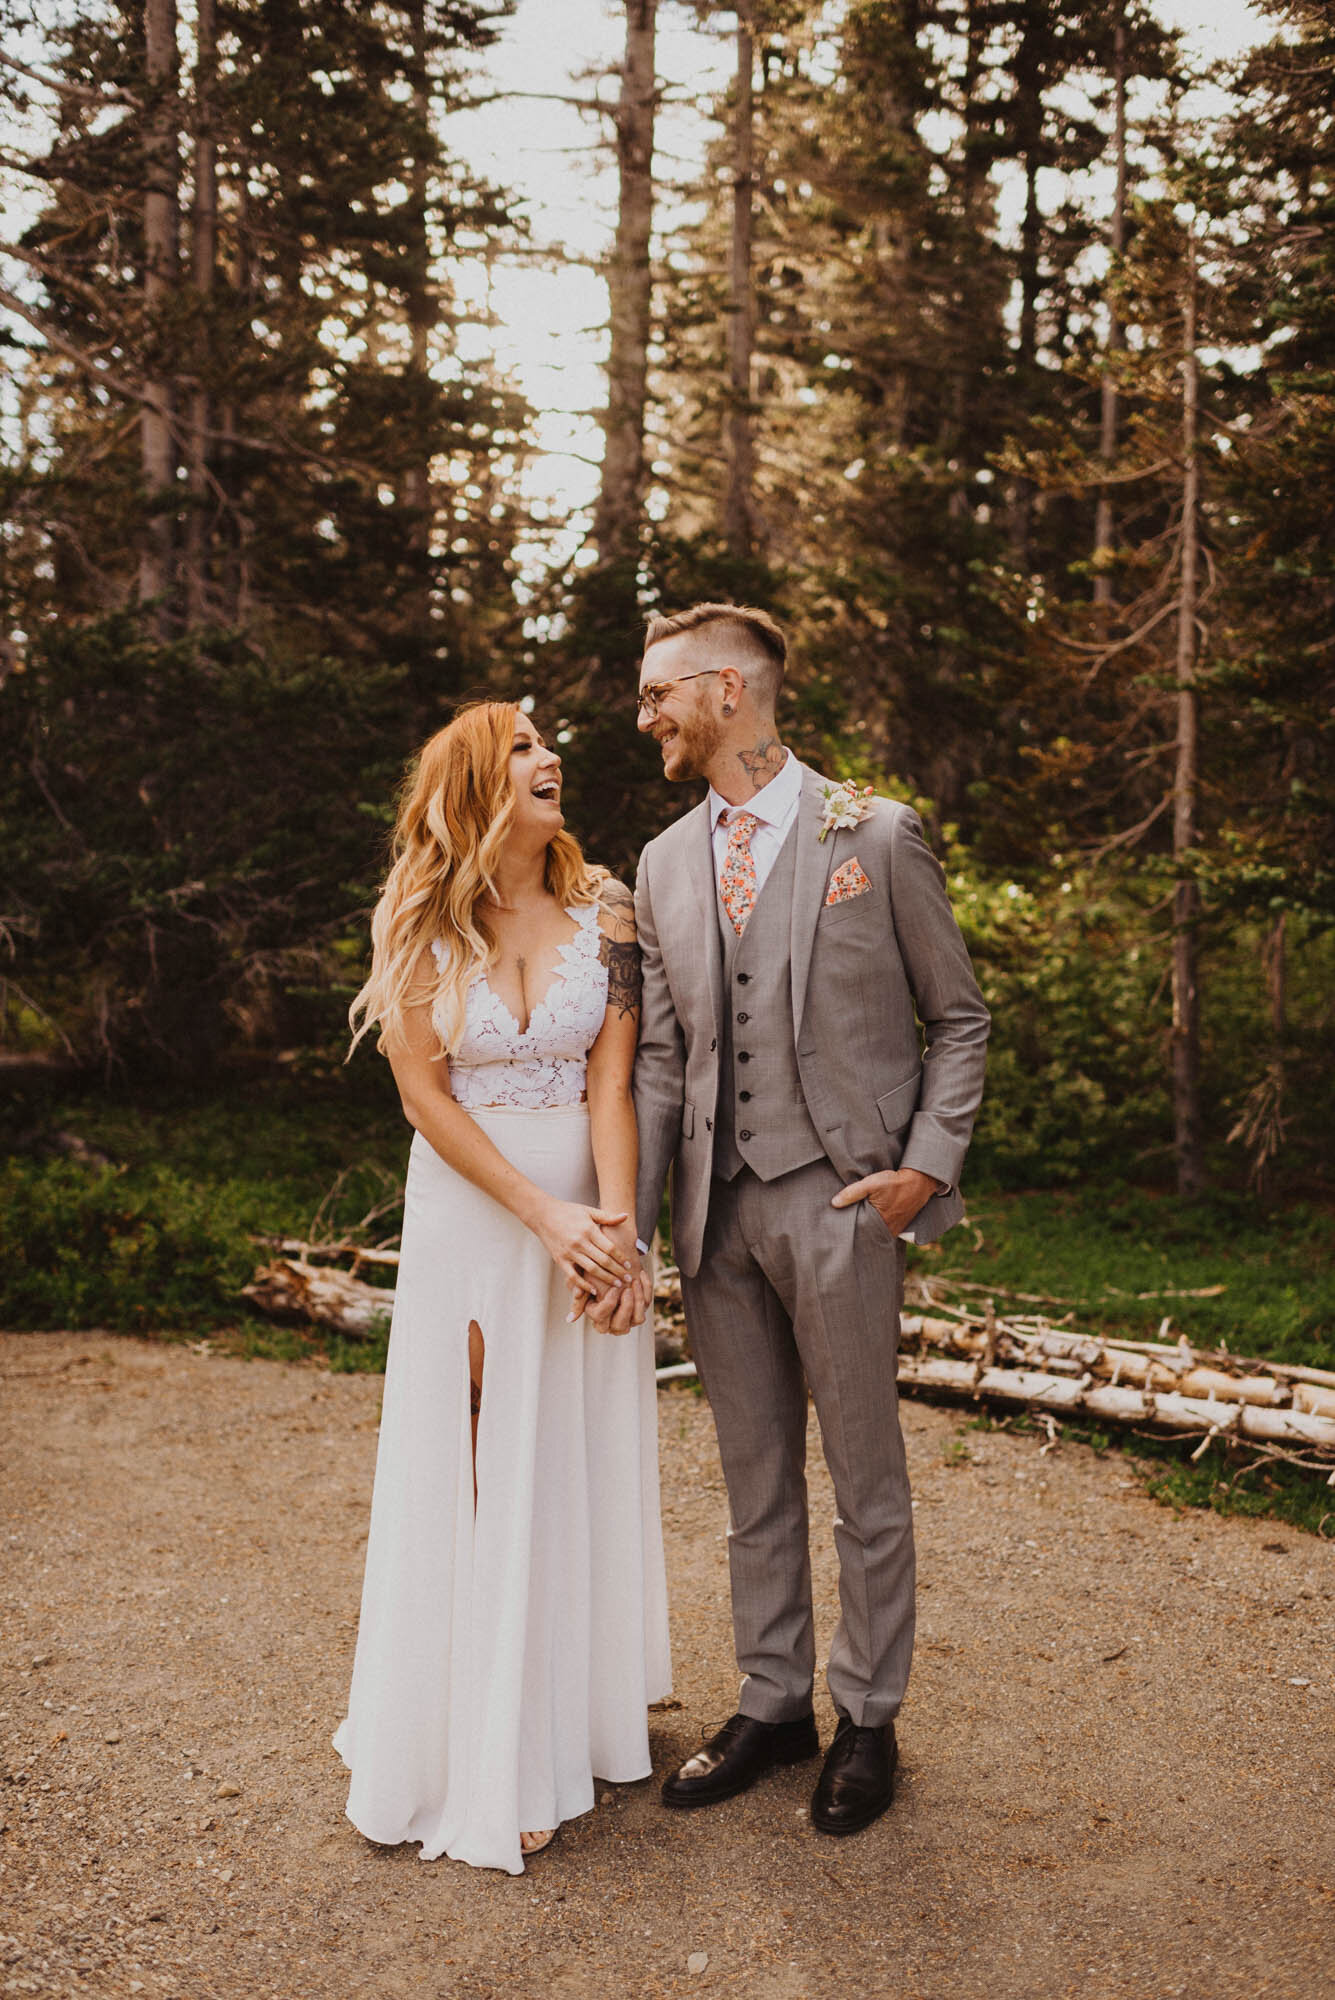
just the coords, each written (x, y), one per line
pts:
(1091, 1252)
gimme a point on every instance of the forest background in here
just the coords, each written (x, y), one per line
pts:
(990, 343)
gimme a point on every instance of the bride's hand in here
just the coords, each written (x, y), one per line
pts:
(620, 1307)
(576, 1239)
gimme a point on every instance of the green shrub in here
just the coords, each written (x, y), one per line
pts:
(104, 1247)
(1077, 1063)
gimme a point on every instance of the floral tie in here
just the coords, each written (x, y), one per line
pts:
(737, 880)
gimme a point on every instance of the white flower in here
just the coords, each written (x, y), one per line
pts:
(845, 805)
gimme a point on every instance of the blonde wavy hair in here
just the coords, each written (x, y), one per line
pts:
(455, 811)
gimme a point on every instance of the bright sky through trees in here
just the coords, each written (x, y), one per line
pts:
(551, 322)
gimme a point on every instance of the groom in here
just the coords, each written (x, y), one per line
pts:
(810, 1062)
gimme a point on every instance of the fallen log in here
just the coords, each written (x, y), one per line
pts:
(287, 1289)
(1015, 1362)
(1166, 1369)
(1171, 1411)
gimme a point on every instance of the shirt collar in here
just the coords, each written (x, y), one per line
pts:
(772, 803)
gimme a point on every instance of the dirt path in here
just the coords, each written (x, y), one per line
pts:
(1117, 1746)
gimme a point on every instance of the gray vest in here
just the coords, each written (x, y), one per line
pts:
(762, 1118)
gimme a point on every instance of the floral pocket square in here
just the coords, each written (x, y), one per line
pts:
(845, 883)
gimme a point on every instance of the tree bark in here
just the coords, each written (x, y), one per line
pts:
(1186, 896)
(973, 183)
(617, 517)
(1030, 114)
(1103, 517)
(739, 527)
(234, 567)
(420, 307)
(161, 259)
(203, 268)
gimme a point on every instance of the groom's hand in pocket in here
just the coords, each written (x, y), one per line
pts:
(897, 1195)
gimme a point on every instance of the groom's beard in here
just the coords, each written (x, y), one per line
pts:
(691, 747)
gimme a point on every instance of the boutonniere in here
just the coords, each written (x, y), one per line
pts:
(845, 805)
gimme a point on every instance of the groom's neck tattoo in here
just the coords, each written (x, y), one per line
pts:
(764, 761)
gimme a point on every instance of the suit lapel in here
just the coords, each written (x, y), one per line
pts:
(811, 874)
(701, 906)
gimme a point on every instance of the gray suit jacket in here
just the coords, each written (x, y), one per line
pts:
(881, 1091)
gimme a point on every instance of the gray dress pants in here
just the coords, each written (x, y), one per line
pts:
(792, 1292)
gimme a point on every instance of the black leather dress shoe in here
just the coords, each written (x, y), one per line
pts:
(858, 1781)
(743, 1751)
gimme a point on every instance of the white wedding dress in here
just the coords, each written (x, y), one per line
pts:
(507, 1655)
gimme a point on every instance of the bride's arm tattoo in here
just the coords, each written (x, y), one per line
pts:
(623, 975)
(764, 762)
(618, 950)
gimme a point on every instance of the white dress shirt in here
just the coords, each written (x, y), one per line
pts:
(774, 806)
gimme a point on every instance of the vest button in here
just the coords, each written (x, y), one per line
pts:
(744, 1096)
(743, 1018)
(712, 1046)
(742, 1056)
(743, 1135)
(742, 978)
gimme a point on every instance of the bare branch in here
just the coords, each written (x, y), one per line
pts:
(1132, 834)
(1106, 653)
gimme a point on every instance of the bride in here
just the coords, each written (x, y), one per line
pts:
(514, 1618)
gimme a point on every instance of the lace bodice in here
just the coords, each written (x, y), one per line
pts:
(544, 1064)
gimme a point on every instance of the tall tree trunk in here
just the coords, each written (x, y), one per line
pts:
(1270, 1141)
(739, 525)
(1103, 517)
(421, 312)
(1186, 896)
(616, 527)
(161, 256)
(1030, 120)
(973, 182)
(203, 263)
(234, 568)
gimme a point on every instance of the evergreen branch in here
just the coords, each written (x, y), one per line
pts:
(79, 91)
(75, 469)
(97, 371)
(1127, 478)
(608, 109)
(281, 445)
(48, 267)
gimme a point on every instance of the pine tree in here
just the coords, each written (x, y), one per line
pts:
(182, 802)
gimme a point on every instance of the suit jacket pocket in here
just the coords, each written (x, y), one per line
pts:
(688, 1121)
(898, 1105)
(840, 913)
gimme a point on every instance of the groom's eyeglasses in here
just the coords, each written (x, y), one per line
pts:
(651, 694)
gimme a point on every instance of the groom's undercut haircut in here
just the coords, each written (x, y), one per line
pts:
(740, 635)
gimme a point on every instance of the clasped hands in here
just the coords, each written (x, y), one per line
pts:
(620, 1304)
(595, 1250)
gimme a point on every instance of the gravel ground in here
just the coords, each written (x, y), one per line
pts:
(1117, 1748)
